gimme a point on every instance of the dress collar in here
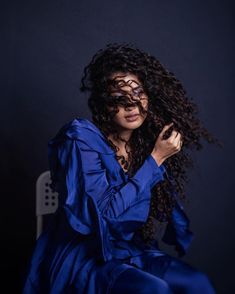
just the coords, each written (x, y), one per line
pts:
(84, 130)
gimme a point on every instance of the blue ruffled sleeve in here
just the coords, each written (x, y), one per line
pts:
(93, 204)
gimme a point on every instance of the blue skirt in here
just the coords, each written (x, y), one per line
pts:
(165, 274)
(64, 262)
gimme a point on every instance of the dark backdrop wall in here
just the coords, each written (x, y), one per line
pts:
(45, 47)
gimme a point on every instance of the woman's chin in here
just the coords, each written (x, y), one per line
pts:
(132, 125)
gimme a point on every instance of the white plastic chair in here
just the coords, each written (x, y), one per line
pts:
(46, 200)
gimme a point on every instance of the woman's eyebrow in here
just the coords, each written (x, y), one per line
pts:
(119, 84)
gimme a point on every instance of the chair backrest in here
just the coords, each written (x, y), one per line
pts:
(46, 199)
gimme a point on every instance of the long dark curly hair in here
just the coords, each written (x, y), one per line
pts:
(168, 103)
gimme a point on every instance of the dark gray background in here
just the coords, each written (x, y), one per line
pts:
(44, 48)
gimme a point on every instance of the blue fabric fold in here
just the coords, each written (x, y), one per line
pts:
(94, 203)
(100, 209)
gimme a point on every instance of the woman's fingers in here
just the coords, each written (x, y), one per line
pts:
(179, 142)
(174, 134)
(173, 137)
(176, 139)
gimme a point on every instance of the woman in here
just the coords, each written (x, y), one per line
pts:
(118, 177)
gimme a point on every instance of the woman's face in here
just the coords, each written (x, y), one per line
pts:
(129, 88)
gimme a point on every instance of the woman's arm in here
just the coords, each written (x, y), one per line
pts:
(92, 204)
(84, 170)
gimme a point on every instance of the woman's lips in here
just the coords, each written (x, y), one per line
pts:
(132, 117)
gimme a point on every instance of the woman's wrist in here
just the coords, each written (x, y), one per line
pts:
(159, 160)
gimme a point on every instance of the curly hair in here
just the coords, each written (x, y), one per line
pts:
(168, 103)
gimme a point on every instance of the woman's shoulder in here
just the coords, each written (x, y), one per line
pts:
(78, 126)
(86, 133)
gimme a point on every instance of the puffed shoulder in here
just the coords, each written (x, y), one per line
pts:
(83, 130)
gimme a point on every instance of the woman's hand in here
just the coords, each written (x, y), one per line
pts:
(166, 148)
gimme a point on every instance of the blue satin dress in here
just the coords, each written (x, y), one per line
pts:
(90, 245)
